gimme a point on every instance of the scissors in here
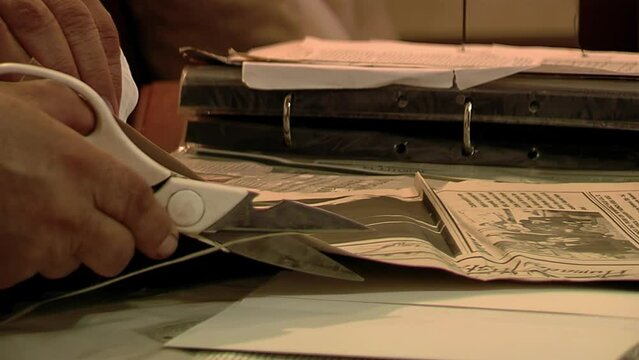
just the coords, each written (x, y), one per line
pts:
(204, 210)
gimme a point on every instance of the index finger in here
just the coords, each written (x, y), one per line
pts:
(82, 35)
(110, 42)
(38, 32)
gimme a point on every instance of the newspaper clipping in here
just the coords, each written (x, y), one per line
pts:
(480, 229)
(584, 231)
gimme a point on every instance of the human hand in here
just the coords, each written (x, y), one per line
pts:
(77, 37)
(66, 106)
(64, 201)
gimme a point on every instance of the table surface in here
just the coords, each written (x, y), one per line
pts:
(133, 324)
(134, 321)
(129, 322)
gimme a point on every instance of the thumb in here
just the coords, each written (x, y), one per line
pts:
(124, 196)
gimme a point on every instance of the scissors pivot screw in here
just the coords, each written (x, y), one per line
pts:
(185, 207)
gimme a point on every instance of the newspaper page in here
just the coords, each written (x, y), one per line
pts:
(272, 185)
(481, 229)
(478, 229)
(402, 230)
(570, 231)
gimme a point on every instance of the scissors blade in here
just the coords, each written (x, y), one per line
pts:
(156, 153)
(286, 215)
(283, 216)
(288, 251)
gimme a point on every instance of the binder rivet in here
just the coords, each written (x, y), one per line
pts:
(533, 107)
(534, 153)
(401, 148)
(402, 101)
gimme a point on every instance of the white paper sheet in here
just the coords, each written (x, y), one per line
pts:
(282, 76)
(409, 318)
(314, 63)
(333, 64)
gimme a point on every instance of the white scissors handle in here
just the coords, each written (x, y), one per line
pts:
(193, 205)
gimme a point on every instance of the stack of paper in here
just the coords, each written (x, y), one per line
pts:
(333, 64)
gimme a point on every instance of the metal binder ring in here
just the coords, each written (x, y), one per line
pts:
(286, 120)
(467, 147)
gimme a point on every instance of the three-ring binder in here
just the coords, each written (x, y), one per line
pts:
(525, 120)
(286, 120)
(466, 144)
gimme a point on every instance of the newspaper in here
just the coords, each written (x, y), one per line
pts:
(573, 231)
(481, 229)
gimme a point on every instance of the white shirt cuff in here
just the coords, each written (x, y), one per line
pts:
(130, 94)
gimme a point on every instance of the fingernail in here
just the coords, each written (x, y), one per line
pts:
(168, 246)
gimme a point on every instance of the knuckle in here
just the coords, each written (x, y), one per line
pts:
(111, 43)
(106, 184)
(68, 107)
(76, 22)
(67, 223)
(150, 233)
(73, 15)
(11, 278)
(130, 196)
(7, 281)
(146, 219)
(63, 64)
(45, 87)
(139, 196)
(17, 263)
(102, 17)
(33, 257)
(33, 15)
(77, 165)
(64, 94)
(118, 258)
(106, 27)
(12, 102)
(139, 211)
(61, 220)
(60, 270)
(103, 248)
